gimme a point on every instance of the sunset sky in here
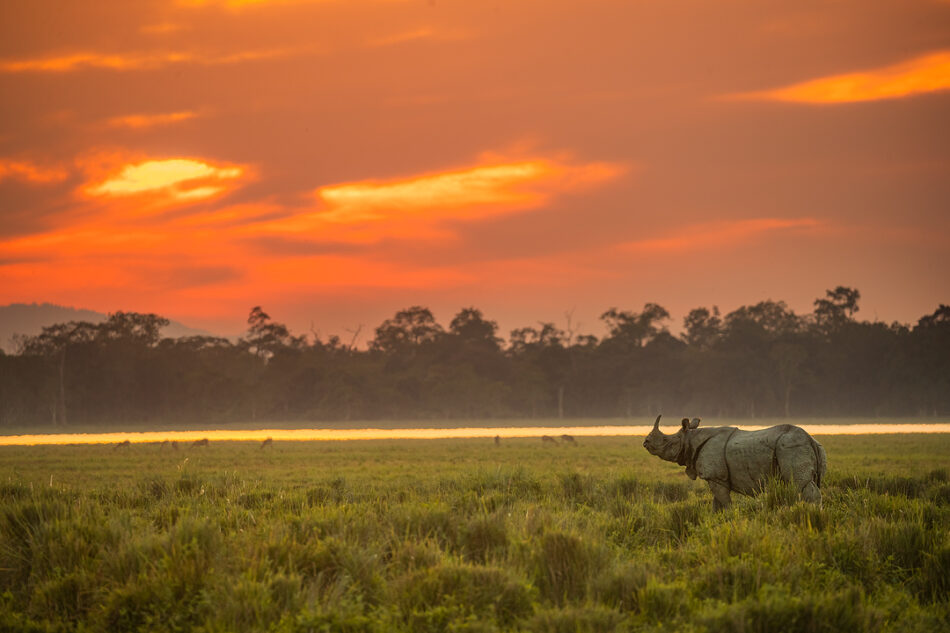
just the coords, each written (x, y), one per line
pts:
(335, 161)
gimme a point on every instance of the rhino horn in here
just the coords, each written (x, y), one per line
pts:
(656, 425)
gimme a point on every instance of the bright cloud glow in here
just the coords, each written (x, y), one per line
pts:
(929, 73)
(178, 178)
(355, 215)
(479, 185)
(151, 120)
(473, 192)
(132, 61)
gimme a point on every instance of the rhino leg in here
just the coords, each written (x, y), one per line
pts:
(721, 497)
(810, 492)
(797, 464)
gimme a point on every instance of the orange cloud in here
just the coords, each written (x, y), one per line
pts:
(929, 73)
(30, 172)
(420, 207)
(64, 63)
(717, 234)
(216, 257)
(174, 179)
(151, 120)
(416, 35)
(161, 28)
(464, 189)
(465, 193)
(132, 61)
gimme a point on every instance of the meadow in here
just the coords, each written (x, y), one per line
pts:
(464, 535)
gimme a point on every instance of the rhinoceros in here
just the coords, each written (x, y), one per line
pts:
(732, 460)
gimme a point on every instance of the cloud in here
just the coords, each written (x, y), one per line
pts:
(416, 35)
(473, 192)
(231, 216)
(162, 28)
(151, 120)
(427, 207)
(717, 234)
(280, 245)
(192, 276)
(463, 189)
(181, 179)
(27, 171)
(348, 235)
(134, 61)
(921, 75)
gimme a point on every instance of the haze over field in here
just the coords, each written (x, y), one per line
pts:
(335, 161)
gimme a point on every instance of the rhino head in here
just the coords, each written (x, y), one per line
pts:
(669, 447)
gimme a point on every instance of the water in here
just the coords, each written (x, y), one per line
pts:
(186, 437)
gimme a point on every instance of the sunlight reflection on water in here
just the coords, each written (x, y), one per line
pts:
(401, 434)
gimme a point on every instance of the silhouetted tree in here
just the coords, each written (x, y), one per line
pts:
(471, 327)
(702, 328)
(54, 343)
(265, 337)
(837, 307)
(631, 329)
(409, 328)
(758, 360)
(542, 366)
(930, 354)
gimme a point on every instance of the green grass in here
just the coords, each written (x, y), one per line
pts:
(461, 535)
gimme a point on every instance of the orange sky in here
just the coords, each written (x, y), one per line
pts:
(337, 160)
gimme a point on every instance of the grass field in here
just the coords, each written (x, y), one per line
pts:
(462, 535)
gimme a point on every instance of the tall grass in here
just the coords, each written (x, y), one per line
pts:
(464, 536)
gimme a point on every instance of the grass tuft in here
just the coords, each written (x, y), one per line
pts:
(564, 565)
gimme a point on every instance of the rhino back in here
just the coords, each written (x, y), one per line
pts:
(750, 456)
(743, 460)
(708, 446)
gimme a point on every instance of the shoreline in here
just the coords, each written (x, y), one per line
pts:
(369, 433)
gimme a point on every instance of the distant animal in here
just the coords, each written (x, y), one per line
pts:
(548, 438)
(268, 442)
(164, 444)
(568, 438)
(731, 460)
(122, 444)
(202, 442)
(497, 440)
(175, 445)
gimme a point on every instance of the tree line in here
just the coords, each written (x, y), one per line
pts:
(762, 360)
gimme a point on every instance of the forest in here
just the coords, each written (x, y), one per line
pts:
(762, 360)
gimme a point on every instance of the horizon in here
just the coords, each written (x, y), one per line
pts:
(335, 162)
(673, 325)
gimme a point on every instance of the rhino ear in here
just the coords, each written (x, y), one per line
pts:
(685, 423)
(694, 423)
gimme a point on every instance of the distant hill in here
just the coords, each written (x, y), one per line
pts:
(30, 319)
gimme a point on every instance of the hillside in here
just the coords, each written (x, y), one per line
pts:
(30, 319)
